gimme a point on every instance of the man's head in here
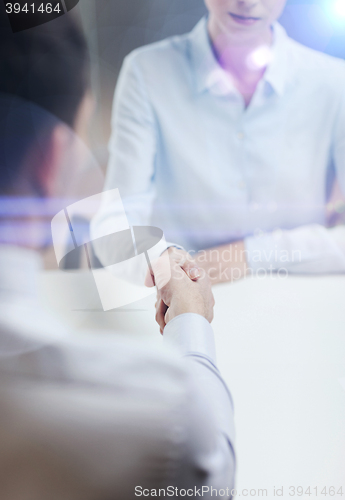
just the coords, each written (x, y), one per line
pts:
(44, 78)
(244, 17)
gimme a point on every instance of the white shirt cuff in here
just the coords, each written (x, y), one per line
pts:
(260, 252)
(306, 249)
(175, 245)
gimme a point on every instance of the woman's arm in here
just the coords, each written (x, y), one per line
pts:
(308, 249)
(132, 149)
(311, 249)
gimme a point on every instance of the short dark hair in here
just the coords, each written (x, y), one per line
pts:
(46, 66)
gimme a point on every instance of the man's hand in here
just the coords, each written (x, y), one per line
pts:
(182, 295)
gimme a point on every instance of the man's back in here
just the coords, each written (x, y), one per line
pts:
(64, 442)
(109, 413)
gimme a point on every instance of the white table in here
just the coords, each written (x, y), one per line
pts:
(281, 349)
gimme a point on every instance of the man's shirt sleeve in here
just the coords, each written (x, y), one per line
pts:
(209, 448)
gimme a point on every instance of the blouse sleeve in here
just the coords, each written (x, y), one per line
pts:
(132, 149)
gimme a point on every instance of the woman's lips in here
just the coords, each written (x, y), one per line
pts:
(247, 21)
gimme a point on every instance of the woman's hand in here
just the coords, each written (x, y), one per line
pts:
(182, 259)
(224, 263)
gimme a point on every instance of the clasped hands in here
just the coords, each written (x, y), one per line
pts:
(187, 291)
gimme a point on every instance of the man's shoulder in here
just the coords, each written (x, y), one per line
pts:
(122, 362)
(106, 360)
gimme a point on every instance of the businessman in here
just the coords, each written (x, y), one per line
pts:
(90, 417)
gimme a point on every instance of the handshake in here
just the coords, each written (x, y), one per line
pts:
(188, 290)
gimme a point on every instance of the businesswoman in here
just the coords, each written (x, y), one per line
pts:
(229, 138)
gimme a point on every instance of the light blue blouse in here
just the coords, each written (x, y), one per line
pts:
(190, 158)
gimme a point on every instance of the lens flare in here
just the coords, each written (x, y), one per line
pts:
(339, 8)
(260, 58)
